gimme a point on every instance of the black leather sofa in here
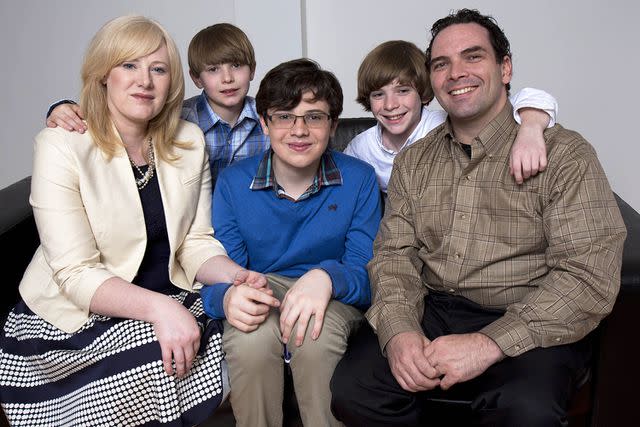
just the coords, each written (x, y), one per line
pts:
(608, 398)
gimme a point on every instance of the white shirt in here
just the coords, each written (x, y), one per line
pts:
(368, 146)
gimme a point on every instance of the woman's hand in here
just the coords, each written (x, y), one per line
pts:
(178, 334)
(252, 278)
(175, 327)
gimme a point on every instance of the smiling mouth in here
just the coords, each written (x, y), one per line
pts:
(299, 146)
(395, 118)
(228, 91)
(463, 90)
(143, 97)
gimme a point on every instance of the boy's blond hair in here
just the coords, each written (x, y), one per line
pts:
(219, 44)
(119, 40)
(395, 59)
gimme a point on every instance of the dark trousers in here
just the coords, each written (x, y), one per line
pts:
(532, 389)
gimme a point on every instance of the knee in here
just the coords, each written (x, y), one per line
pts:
(525, 409)
(326, 350)
(351, 391)
(343, 384)
(251, 350)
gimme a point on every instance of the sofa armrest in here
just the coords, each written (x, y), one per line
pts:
(630, 276)
(616, 376)
(18, 240)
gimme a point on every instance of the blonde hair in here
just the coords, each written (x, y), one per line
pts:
(395, 59)
(119, 40)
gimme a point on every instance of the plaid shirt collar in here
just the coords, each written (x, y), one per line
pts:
(491, 138)
(328, 174)
(207, 118)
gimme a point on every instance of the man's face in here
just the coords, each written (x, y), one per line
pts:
(298, 149)
(466, 79)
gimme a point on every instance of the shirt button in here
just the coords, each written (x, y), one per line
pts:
(468, 177)
(456, 255)
(558, 339)
(452, 290)
(463, 216)
(517, 347)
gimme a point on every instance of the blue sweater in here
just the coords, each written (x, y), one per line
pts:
(332, 230)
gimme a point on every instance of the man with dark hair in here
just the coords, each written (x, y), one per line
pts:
(306, 217)
(481, 288)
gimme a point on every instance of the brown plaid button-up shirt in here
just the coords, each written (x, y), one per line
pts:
(548, 252)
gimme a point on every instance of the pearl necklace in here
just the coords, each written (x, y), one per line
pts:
(145, 176)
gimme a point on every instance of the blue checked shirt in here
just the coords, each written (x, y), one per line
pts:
(328, 174)
(224, 143)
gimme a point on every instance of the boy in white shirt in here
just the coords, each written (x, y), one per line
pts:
(393, 83)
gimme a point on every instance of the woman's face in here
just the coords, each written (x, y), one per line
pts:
(137, 89)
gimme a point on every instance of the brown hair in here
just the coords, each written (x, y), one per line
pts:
(283, 86)
(218, 44)
(395, 59)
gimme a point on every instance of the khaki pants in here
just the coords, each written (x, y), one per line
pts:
(256, 366)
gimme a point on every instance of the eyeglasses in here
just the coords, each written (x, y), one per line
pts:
(313, 120)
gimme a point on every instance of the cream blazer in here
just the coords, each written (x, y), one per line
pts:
(91, 224)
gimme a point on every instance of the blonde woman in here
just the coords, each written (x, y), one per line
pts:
(111, 329)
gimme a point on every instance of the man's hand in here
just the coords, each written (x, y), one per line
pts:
(309, 296)
(529, 152)
(408, 363)
(462, 357)
(246, 307)
(67, 116)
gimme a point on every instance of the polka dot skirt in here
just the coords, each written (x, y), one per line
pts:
(108, 373)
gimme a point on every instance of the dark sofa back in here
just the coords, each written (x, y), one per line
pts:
(347, 129)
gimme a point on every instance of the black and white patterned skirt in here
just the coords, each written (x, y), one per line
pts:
(108, 373)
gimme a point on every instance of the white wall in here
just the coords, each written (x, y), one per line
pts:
(583, 52)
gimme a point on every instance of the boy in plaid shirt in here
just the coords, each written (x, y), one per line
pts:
(221, 63)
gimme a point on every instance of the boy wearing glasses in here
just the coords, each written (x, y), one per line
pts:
(307, 217)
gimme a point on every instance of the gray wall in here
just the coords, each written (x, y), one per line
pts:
(583, 52)
(43, 43)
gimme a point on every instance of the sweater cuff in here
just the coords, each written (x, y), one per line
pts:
(55, 104)
(339, 284)
(213, 299)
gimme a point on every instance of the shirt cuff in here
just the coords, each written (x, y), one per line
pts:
(534, 98)
(391, 320)
(511, 335)
(213, 299)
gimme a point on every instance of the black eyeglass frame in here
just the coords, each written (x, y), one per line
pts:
(296, 117)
